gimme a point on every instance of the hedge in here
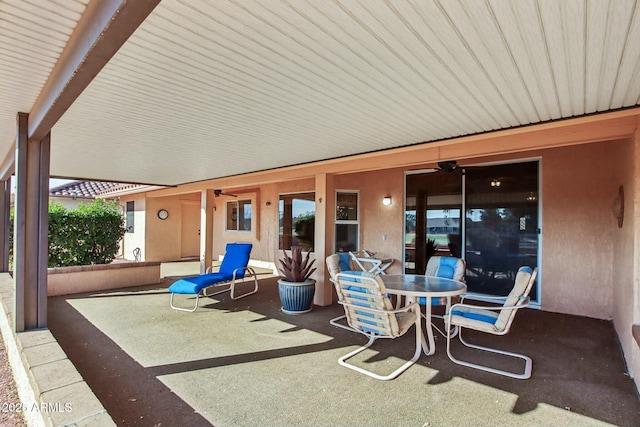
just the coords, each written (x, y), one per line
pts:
(87, 235)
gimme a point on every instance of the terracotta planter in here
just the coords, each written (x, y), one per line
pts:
(296, 297)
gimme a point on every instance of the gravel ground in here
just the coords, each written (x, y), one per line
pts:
(10, 414)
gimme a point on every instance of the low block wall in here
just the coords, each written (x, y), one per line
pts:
(89, 278)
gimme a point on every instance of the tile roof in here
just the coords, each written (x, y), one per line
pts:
(83, 189)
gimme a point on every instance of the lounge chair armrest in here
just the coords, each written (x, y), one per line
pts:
(247, 268)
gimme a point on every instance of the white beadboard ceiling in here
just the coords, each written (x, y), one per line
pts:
(206, 89)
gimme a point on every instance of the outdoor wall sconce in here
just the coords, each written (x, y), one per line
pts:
(495, 183)
(386, 201)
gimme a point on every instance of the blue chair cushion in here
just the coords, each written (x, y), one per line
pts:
(235, 257)
(446, 270)
(193, 285)
(447, 267)
(344, 262)
(475, 316)
(435, 301)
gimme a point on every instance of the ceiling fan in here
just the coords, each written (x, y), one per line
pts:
(218, 193)
(448, 166)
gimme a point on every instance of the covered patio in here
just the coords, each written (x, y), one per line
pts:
(245, 363)
(193, 99)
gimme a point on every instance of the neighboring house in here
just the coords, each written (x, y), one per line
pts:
(72, 194)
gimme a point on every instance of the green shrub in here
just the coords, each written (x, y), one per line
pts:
(88, 235)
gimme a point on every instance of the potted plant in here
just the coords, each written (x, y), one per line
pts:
(295, 288)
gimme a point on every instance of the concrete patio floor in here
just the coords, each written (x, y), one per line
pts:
(245, 363)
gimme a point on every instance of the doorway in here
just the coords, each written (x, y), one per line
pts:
(190, 233)
(501, 227)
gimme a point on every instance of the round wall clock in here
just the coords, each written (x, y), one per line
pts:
(163, 214)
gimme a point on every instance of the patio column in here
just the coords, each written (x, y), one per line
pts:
(31, 228)
(206, 229)
(5, 216)
(323, 236)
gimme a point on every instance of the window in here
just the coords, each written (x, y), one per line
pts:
(347, 225)
(297, 214)
(130, 210)
(239, 215)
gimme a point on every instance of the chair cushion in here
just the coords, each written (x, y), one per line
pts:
(344, 261)
(435, 301)
(446, 267)
(236, 256)
(405, 320)
(520, 287)
(193, 285)
(484, 320)
(368, 292)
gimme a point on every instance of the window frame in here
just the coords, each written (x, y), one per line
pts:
(239, 214)
(338, 222)
(130, 216)
(281, 236)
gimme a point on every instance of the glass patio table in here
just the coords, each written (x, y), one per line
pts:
(413, 286)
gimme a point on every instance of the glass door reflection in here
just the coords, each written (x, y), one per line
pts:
(501, 225)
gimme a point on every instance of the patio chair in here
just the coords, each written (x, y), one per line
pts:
(340, 263)
(374, 265)
(234, 267)
(369, 312)
(448, 268)
(495, 320)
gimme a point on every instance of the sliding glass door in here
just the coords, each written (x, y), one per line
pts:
(501, 225)
(432, 218)
(500, 231)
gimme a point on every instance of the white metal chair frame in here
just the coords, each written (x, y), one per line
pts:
(333, 267)
(353, 300)
(522, 302)
(378, 265)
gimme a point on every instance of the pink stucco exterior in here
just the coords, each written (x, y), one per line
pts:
(588, 266)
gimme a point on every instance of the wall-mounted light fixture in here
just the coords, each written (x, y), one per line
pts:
(386, 201)
(495, 183)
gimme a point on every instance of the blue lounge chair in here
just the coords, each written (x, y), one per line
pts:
(234, 267)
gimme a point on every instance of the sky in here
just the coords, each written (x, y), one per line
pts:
(52, 183)
(55, 182)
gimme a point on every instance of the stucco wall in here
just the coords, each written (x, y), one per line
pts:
(580, 241)
(137, 238)
(578, 188)
(89, 278)
(626, 280)
(163, 236)
(381, 227)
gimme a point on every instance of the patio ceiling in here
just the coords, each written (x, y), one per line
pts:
(206, 89)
